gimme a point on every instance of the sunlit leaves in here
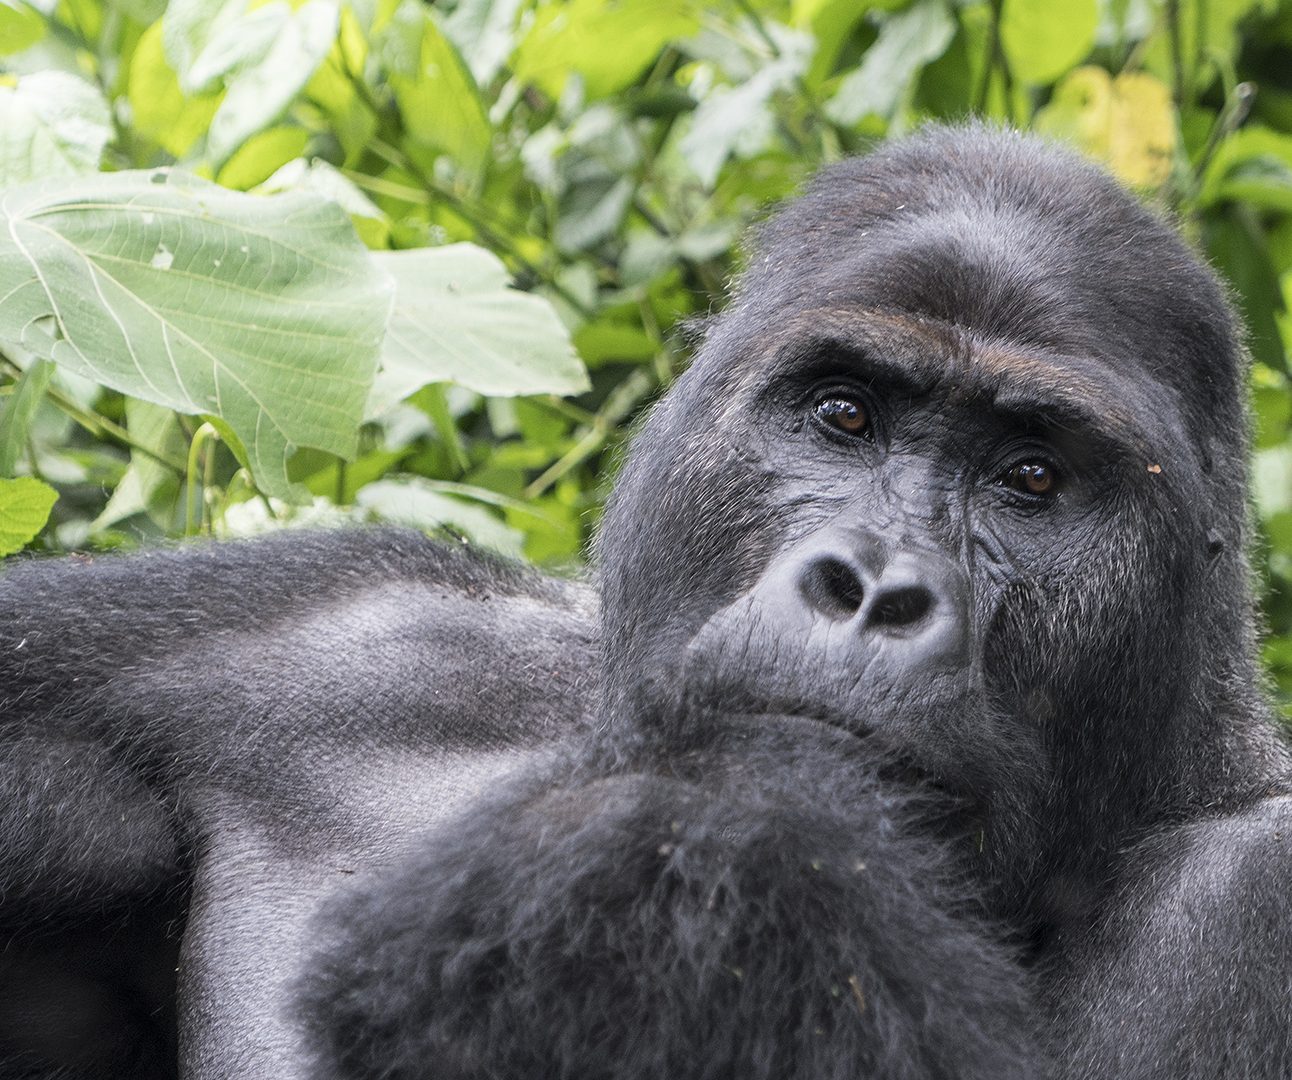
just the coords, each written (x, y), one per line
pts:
(906, 42)
(1043, 39)
(607, 43)
(1127, 122)
(160, 110)
(52, 124)
(437, 98)
(737, 120)
(456, 320)
(20, 26)
(264, 311)
(261, 56)
(24, 508)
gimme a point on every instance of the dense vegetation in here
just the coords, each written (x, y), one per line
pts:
(343, 342)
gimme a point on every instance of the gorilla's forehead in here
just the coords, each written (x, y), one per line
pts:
(1019, 246)
(1002, 274)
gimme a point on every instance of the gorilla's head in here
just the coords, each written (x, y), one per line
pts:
(962, 469)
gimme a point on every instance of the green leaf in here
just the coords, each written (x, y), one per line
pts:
(456, 320)
(1252, 165)
(414, 501)
(24, 508)
(608, 42)
(51, 124)
(349, 118)
(736, 120)
(1042, 39)
(260, 93)
(264, 311)
(17, 411)
(261, 156)
(148, 485)
(437, 97)
(20, 27)
(206, 40)
(484, 33)
(907, 41)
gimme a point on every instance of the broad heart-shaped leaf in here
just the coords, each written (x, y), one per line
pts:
(456, 320)
(24, 508)
(264, 311)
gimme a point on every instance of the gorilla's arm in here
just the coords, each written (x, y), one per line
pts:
(257, 722)
(1191, 975)
(768, 911)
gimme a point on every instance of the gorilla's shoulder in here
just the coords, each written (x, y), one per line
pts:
(283, 562)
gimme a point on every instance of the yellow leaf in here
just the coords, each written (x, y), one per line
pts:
(1126, 122)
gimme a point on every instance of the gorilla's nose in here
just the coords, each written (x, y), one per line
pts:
(910, 604)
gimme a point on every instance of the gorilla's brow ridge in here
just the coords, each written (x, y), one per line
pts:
(920, 354)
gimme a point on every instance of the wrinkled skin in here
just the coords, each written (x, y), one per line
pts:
(958, 479)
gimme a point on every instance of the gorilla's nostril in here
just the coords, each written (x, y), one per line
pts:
(832, 587)
(901, 607)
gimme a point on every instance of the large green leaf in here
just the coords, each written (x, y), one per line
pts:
(51, 124)
(456, 320)
(263, 311)
(24, 508)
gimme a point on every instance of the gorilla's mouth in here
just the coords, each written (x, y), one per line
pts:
(891, 765)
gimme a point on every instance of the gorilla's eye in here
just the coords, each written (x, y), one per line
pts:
(843, 414)
(1033, 478)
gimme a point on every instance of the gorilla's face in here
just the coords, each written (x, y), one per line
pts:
(900, 527)
(944, 488)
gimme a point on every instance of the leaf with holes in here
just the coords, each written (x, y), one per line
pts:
(263, 311)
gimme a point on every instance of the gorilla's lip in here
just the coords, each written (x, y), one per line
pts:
(818, 724)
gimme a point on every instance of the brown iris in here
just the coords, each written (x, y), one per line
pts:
(843, 414)
(1034, 477)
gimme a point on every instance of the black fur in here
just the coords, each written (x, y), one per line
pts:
(764, 908)
(195, 742)
(1047, 715)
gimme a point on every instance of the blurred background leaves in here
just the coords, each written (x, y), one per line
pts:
(534, 199)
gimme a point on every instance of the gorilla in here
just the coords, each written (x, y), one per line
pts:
(918, 732)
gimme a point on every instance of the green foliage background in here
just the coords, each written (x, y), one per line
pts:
(175, 360)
